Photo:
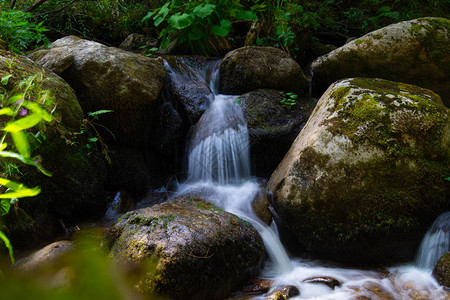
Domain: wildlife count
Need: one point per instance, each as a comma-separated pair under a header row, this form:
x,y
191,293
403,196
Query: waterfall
x,y
219,166
435,243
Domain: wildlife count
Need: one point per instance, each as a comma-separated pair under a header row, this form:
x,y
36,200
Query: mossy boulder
x,y
249,68
75,190
415,52
198,250
442,270
364,179
109,78
272,127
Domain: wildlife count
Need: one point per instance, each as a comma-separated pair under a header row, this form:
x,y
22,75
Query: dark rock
x,y
107,78
414,52
121,202
328,281
258,286
272,127
187,236
260,206
283,292
136,41
250,68
363,179
128,171
442,270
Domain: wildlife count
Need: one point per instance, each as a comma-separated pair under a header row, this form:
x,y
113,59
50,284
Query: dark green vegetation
x,y
212,26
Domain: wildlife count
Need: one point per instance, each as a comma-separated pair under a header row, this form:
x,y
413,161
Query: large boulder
x,y
75,191
272,127
200,251
365,177
109,78
415,52
442,270
249,68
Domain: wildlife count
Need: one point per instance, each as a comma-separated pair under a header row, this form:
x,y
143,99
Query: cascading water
x,y
219,171
435,243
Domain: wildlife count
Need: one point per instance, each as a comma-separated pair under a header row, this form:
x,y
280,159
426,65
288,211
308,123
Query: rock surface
x,y
107,78
442,270
415,52
272,127
75,191
364,177
187,236
46,257
250,68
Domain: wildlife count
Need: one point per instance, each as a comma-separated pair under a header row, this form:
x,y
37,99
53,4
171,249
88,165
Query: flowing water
x,y
219,171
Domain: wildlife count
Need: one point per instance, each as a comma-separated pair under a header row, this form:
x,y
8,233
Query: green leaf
x,y
148,16
180,21
5,205
99,112
7,111
94,139
204,10
5,79
158,21
29,161
165,43
16,98
21,143
8,245
164,11
37,109
24,123
26,192
247,15
225,23
219,31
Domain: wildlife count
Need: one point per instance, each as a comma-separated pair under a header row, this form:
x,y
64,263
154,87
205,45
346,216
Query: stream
x,y
219,171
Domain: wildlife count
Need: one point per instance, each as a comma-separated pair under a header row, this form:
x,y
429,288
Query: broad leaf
x,y
225,24
21,143
7,111
247,15
5,205
180,21
8,245
204,10
22,124
29,161
219,31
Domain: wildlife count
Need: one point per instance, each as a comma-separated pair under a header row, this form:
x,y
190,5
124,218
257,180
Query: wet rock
x,y
128,171
442,270
414,52
188,77
166,144
283,293
258,286
183,237
75,191
107,78
250,68
51,255
261,208
328,281
272,127
121,203
136,41
363,179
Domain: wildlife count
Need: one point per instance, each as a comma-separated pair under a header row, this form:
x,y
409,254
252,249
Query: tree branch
x,y
35,5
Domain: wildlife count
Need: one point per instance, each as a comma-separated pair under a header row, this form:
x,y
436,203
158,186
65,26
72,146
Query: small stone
x,y
328,281
283,292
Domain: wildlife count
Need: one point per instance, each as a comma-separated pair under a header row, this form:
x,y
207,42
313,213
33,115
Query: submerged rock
x,y
364,178
283,292
442,270
250,68
198,250
107,78
415,51
75,191
326,280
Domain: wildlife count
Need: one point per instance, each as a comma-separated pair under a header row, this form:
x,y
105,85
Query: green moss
x,y
358,42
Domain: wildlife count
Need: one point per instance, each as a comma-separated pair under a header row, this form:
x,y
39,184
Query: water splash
x,y
435,243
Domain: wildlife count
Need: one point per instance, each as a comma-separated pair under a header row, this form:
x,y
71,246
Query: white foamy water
x,y
219,171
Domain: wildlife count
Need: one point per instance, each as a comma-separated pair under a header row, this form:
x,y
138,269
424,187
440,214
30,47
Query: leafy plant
x,y
24,112
289,99
17,29
200,24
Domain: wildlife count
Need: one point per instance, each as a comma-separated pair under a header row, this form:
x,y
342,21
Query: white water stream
x,y
219,171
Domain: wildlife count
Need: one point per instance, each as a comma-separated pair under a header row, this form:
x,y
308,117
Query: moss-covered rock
x,y
75,191
272,127
109,78
415,52
249,68
442,270
364,179
200,251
